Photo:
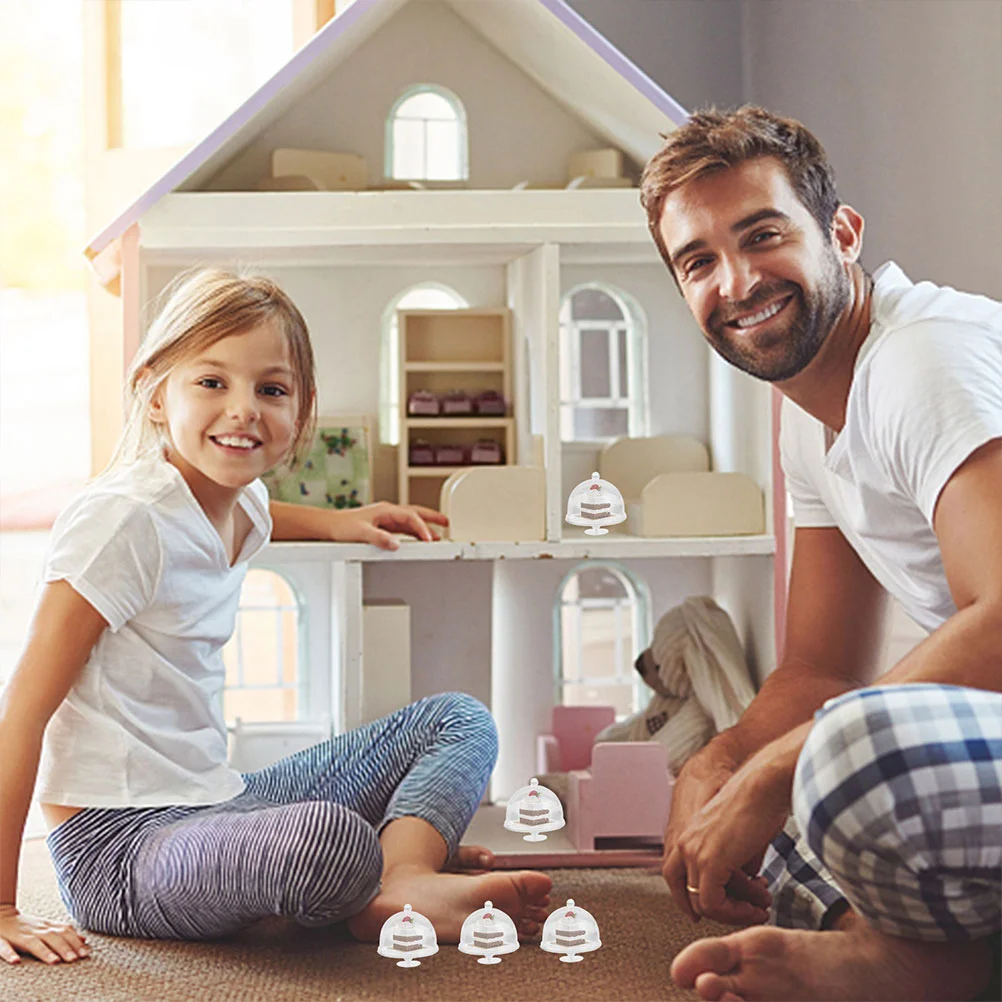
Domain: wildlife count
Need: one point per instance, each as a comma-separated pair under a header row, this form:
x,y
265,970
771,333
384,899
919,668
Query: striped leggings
x,y
897,811
301,840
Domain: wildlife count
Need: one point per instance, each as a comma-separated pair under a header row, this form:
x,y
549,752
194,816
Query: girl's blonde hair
x,y
199,308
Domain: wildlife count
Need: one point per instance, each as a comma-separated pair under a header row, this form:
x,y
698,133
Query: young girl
x,y
152,833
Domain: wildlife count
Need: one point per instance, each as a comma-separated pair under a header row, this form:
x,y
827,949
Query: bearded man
x,y
876,801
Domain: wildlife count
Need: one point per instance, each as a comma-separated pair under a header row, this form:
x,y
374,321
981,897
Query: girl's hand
x,y
375,524
50,942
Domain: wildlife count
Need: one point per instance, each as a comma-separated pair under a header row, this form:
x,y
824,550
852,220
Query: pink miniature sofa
x,y
574,729
617,789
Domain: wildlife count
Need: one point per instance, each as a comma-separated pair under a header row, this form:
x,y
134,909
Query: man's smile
x,y
744,324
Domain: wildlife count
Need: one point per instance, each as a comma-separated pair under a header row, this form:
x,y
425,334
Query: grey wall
x,y
906,96
692,48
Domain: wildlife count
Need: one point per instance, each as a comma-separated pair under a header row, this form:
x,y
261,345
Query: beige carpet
x,y
277,961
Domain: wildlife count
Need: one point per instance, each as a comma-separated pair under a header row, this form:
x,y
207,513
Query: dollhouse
x,y
489,150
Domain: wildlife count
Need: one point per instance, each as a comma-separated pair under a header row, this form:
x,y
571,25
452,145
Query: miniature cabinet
x,y
455,364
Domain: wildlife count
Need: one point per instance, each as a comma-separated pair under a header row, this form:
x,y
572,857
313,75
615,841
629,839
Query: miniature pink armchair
x,y
625,794
574,729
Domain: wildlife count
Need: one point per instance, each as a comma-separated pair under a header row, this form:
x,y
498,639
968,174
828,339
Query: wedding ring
x,y
691,889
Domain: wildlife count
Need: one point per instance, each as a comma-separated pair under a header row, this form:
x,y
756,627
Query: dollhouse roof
x,y
547,39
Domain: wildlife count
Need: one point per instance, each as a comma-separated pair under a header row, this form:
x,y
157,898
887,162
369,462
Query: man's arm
x,y
963,651
967,648
834,629
833,634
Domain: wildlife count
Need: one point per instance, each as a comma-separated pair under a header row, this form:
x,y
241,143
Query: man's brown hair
x,y
714,140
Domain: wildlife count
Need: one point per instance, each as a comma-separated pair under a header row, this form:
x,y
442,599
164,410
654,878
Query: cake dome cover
x,y
572,922
533,795
488,919
610,507
412,922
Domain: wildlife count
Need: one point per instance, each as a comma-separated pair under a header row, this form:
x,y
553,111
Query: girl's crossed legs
x,y
312,837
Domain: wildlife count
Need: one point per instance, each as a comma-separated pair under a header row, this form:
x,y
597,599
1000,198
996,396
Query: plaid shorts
x,y
897,810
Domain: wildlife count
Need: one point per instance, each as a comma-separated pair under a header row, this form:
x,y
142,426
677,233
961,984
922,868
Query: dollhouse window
x,y
263,680
426,136
603,346
602,623
427,296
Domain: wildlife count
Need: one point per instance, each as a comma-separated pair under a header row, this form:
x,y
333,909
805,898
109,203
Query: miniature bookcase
x,y
462,357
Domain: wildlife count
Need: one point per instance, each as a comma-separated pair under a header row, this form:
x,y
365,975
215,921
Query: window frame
x,y
389,357
462,134
303,682
639,598
634,327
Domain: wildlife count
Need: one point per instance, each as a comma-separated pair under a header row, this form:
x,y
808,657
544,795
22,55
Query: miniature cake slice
x,y
569,932
487,934
596,506
407,936
533,810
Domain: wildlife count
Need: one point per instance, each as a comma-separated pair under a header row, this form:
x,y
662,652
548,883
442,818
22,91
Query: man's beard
x,y
782,352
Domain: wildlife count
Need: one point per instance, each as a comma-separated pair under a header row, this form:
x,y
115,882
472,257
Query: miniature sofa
x,y
495,503
616,789
669,489
625,794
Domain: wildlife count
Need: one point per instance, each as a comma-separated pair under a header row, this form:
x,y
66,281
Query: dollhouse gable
x,y
534,81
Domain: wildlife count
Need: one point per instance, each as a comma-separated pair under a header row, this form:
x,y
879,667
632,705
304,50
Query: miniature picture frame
x,y
335,471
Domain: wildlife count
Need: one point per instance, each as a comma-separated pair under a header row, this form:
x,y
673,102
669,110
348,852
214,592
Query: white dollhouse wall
x,y
517,131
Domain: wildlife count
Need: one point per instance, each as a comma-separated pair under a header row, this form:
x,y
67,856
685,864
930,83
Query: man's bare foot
x,y
446,899
851,962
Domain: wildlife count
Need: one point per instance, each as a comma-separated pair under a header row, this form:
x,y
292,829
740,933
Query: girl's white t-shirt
x,y
926,393
143,724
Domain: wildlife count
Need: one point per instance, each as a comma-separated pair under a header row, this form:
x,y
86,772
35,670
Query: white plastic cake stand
x,y
599,528
410,958
571,953
485,956
535,831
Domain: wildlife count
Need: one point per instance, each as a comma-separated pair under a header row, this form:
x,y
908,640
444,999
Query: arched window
x,y
603,351
426,136
427,296
602,624
262,660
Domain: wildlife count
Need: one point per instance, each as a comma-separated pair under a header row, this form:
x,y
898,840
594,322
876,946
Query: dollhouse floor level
x,y
512,852
575,546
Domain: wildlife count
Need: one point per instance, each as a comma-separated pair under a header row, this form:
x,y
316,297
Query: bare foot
x,y
854,962
446,899
471,858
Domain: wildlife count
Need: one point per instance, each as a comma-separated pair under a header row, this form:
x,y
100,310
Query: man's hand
x,y
50,942
697,784
376,523
710,867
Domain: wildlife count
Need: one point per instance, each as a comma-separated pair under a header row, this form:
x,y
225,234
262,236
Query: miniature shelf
x,y
433,471
614,546
454,367
443,351
459,422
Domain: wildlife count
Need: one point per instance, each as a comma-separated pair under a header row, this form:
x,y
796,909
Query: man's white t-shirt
x,y
926,393
143,724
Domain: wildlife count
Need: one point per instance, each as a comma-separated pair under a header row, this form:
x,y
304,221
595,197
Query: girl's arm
x,y
373,523
63,632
